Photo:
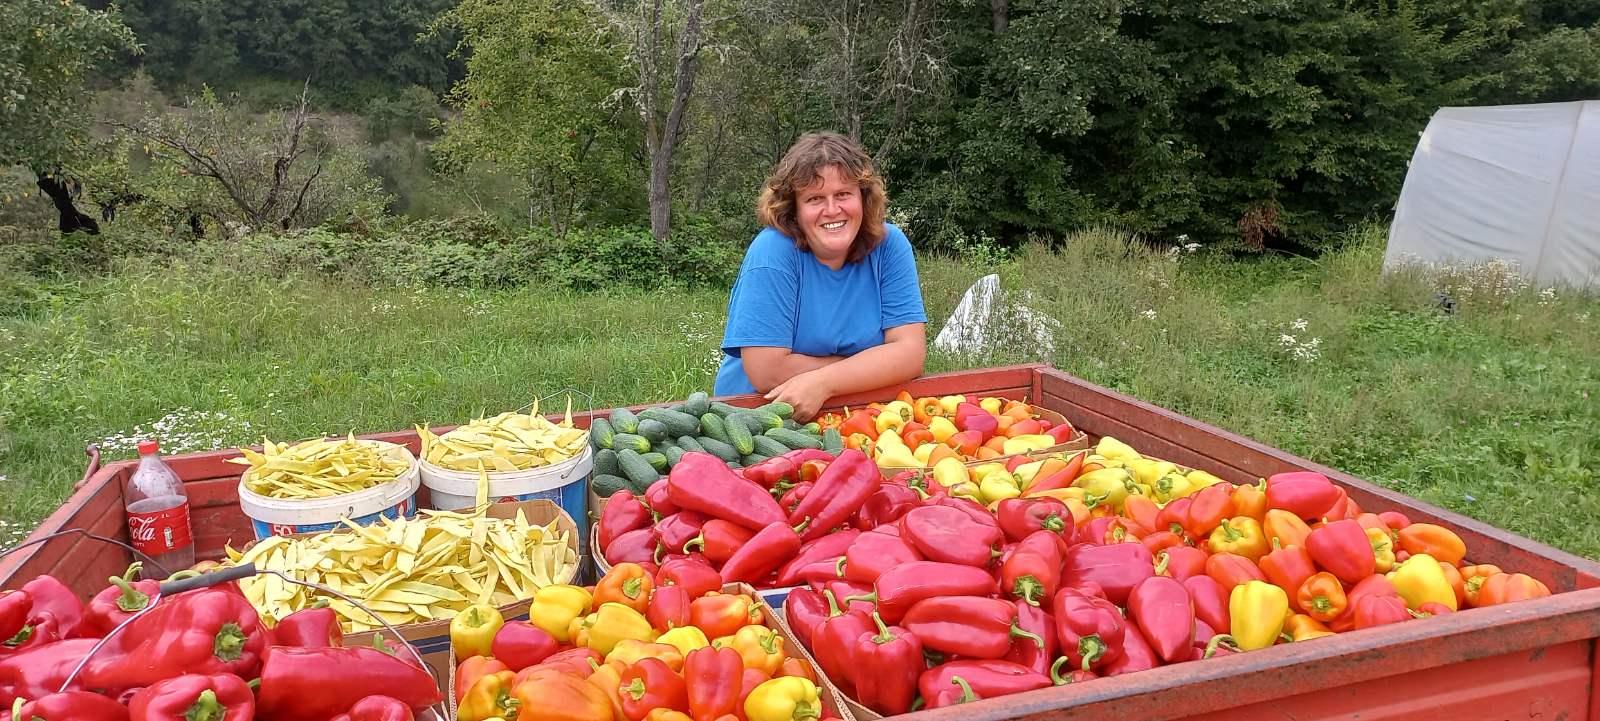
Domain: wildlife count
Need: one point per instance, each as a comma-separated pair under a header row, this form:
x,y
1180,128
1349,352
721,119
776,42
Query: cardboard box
x,y
856,712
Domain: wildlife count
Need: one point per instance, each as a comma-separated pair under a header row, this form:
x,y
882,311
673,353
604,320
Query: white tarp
x,y
987,320
1518,183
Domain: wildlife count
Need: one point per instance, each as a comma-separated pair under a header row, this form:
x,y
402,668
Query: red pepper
x,y
316,627
39,671
1117,568
623,512
41,628
123,598
948,535
771,472
651,684
967,626
713,677
520,644
1163,612
1181,562
1174,516
802,456
295,681
723,614
1232,569
887,505
695,576
833,645
874,553
55,614
843,590
972,417
1287,568
1032,572
861,421
886,665
1375,610
1090,630
824,571
763,554
828,547
1064,477
79,706
1020,517
1160,541
636,546
1395,520
1073,676
959,682
1023,650
1343,549
901,587
221,697
974,510
1207,509
718,539
794,495
575,661
1210,601
206,631
15,606
702,482
669,608
377,708
1137,653
1306,494
1434,608
839,493
658,498
1374,585
679,529
805,610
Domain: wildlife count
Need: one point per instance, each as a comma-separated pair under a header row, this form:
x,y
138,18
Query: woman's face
x,y
829,212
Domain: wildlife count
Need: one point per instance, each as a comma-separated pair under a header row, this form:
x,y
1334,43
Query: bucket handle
x,y
93,452
231,574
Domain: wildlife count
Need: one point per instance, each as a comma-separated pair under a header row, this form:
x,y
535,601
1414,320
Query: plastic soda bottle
x,y
158,511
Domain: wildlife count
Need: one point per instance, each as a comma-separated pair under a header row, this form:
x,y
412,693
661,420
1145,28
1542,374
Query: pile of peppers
x,y
638,646
200,654
911,432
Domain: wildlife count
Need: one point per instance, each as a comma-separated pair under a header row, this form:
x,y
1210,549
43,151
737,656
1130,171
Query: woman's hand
x,y
806,392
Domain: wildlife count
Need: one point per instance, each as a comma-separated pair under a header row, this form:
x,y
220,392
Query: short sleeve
x,y
763,310
898,285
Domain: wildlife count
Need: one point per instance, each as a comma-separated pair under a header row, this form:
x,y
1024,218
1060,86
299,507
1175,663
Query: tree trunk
x,y
72,219
1000,12
663,146
660,201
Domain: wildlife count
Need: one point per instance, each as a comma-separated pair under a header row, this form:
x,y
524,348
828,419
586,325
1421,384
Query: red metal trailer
x,y
1528,660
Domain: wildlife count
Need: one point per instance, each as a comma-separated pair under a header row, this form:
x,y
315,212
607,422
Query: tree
x,y
48,51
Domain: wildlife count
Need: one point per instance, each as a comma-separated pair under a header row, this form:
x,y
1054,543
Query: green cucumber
x,y
755,424
770,446
790,424
624,421
768,419
638,444
605,484
714,426
600,432
813,428
674,454
605,463
699,404
725,410
678,423
783,410
657,461
719,449
653,429
688,443
637,470
752,459
833,441
793,439
741,438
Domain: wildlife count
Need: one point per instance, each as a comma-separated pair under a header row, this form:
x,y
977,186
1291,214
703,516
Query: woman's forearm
x,y
889,364
768,368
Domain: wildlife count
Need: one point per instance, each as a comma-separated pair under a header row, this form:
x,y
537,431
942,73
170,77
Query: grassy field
x,y
1486,411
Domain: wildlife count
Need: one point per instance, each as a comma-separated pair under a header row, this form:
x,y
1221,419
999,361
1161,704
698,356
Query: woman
x,y
827,300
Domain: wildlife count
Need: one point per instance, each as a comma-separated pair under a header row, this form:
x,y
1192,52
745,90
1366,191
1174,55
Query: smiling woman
x,y
827,301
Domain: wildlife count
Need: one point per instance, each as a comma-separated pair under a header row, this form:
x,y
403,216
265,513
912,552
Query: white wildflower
x,y
1149,314
1299,324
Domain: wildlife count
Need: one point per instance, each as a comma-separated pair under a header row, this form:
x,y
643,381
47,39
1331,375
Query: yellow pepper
x,y
472,631
968,490
759,646
992,405
1171,487
630,651
942,428
685,639
489,697
1256,611
895,455
1150,470
555,607
1029,443
788,698
1026,472
613,623
950,472
998,487
666,714
950,404
923,453
1420,580
1112,484
1115,450
1241,536
893,416
1200,479
1301,627
981,471
1382,549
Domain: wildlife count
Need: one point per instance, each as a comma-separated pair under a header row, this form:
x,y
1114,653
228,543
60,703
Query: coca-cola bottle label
x,y
160,531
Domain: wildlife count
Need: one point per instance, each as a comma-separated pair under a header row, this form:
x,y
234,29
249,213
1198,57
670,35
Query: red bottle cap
x,y
147,447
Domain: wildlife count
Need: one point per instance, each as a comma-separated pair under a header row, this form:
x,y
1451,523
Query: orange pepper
x,y
985,453
1508,587
630,651
797,667
473,669
1004,425
1301,627
1250,501
1322,597
1473,578
1285,528
608,678
1437,541
1142,510
1457,583
905,395
1024,427
551,695
924,410
488,697
626,583
760,647
666,714
1017,411
720,614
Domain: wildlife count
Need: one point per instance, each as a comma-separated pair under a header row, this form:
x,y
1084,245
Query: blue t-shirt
x,y
786,298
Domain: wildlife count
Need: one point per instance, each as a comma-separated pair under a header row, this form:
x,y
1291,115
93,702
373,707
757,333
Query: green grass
x,y
1487,412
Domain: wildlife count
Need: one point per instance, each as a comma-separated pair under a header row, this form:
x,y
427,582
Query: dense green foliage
x,y
48,49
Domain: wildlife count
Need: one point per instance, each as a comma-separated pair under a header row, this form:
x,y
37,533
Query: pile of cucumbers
x,y
633,451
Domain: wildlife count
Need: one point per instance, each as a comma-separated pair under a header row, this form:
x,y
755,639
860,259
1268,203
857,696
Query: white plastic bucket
x,y
565,483
284,517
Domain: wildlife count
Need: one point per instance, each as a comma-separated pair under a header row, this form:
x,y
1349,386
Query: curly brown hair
x,y
802,166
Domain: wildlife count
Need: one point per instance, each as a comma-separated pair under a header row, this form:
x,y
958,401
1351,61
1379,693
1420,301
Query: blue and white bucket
x,y
565,483
286,517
